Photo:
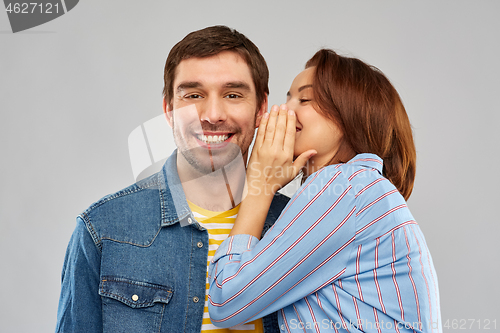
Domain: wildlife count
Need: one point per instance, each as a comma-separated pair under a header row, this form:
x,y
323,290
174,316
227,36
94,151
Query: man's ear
x,y
168,112
260,112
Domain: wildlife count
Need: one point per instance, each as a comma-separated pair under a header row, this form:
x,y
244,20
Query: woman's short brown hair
x,y
211,41
367,108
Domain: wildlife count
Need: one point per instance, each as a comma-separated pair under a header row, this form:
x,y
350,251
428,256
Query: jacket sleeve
x,y
307,248
80,304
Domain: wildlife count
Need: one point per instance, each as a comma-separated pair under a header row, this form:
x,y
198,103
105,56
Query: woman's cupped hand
x,y
272,164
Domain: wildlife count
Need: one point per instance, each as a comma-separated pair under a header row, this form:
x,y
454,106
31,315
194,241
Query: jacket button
x,y
135,298
190,220
199,244
196,299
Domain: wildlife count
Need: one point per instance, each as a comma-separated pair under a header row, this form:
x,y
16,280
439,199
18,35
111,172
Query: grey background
x,y
73,89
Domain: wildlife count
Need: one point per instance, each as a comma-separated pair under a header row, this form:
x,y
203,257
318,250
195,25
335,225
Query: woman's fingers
x,y
271,164
275,129
271,125
289,139
281,127
261,132
302,159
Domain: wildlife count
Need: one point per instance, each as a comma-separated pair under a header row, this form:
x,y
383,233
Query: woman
x,y
346,253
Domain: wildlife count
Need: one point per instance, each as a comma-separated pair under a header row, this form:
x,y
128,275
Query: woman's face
x,y
314,131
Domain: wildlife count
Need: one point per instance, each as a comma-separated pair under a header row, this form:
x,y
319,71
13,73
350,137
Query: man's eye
x,y
193,96
233,96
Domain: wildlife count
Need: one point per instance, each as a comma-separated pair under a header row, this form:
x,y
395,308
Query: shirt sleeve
x,y
307,248
80,304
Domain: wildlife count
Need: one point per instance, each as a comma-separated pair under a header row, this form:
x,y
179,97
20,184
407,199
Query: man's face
x,y
215,110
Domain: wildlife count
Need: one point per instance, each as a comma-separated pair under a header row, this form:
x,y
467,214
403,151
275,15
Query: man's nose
x,y
213,111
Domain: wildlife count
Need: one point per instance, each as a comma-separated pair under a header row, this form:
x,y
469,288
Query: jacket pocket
x,y
135,294
132,306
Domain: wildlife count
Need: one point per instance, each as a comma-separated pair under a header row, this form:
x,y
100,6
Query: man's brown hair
x,y
363,103
211,41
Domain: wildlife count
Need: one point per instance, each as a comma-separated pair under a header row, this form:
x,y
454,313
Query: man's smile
x,y
214,139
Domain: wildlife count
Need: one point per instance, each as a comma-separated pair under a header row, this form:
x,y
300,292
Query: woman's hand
x,y
271,164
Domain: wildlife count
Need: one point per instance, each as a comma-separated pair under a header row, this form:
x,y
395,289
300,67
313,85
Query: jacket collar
x,y
174,205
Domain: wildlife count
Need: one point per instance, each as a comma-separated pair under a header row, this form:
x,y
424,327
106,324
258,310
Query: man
x,y
138,258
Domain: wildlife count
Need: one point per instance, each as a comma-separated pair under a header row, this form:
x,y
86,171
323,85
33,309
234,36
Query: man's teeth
x,y
213,138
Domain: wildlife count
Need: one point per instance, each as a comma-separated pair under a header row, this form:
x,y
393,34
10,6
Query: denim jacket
x,y
137,262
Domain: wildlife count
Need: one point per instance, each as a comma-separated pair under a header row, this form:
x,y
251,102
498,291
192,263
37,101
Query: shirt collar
x,y
368,160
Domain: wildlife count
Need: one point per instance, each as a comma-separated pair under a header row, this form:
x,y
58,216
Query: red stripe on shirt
x,y
300,319
360,327
330,281
230,245
425,279
376,200
375,313
375,277
318,300
380,217
356,173
366,160
312,315
394,277
398,226
396,326
411,279
286,321
337,300
358,255
368,186
298,194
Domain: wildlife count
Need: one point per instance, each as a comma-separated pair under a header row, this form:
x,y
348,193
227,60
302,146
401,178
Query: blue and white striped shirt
x,y
345,255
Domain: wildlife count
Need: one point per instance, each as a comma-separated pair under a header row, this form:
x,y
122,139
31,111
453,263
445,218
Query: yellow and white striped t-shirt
x,y
218,225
